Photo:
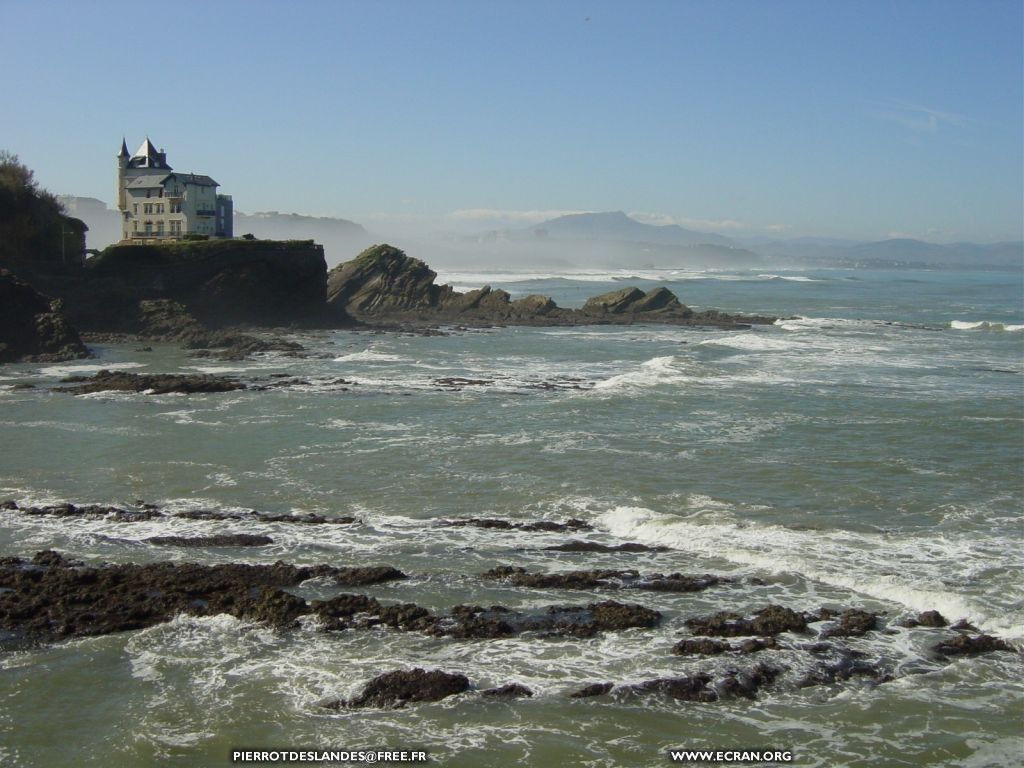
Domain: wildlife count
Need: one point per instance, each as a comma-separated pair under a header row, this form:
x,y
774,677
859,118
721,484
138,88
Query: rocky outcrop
x,y
384,286
144,512
32,327
544,526
394,690
770,620
219,540
51,597
601,579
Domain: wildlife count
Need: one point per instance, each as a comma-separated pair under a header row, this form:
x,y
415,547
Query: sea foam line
x,y
829,558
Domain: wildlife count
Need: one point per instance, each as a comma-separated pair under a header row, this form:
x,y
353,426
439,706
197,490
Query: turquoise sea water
x,y
865,452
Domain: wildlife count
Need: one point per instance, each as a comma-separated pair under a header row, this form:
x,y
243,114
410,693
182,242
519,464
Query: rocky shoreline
x,y
386,288
52,597
220,299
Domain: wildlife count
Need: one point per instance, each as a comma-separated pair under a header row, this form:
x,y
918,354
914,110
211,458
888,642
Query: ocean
x,y
865,451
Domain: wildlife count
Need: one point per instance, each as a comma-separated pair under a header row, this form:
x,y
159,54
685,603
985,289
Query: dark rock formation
x,y
510,691
591,546
155,384
932,619
222,540
702,647
149,512
848,664
695,688
770,620
852,623
594,579
52,598
594,689
707,647
32,327
546,526
383,285
394,690
965,645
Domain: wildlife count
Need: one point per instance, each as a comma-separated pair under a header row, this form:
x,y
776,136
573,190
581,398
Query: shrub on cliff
x,y
33,227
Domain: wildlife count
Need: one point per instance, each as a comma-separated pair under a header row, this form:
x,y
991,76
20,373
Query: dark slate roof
x,y
146,156
149,181
124,148
154,180
196,178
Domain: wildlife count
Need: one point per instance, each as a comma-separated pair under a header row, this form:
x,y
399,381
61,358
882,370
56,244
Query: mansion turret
x,y
158,203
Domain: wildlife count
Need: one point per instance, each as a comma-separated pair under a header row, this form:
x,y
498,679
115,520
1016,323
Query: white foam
x,y
875,565
755,342
369,356
80,368
983,325
791,278
668,369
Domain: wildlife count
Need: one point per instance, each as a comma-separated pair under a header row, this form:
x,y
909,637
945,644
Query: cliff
x,y
384,286
220,282
32,326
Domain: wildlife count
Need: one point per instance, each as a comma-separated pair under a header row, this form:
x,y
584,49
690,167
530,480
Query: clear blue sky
x,y
858,119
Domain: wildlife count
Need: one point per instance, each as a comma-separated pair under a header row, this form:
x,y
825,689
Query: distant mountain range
x,y
618,226
893,253
670,244
610,239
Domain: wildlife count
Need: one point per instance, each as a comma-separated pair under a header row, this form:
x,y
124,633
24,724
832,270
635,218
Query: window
x,y
175,207
135,208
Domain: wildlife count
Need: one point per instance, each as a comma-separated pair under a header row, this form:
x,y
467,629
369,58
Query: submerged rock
x,y
154,384
150,512
694,688
222,540
592,546
609,579
510,691
546,526
594,689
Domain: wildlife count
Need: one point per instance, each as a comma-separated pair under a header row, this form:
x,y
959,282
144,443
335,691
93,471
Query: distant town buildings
x,y
158,203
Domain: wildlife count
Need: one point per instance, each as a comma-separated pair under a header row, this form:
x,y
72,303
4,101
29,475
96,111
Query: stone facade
x,y
158,203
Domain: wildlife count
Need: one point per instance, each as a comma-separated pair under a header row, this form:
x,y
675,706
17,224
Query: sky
x,y
778,118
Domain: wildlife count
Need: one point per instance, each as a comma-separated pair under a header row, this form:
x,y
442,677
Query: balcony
x,y
206,212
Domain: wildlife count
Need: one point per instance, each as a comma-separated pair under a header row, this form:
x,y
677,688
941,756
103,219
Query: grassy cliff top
x,y
195,250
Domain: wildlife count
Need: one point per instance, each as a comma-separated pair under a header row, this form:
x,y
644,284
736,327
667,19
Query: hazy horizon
x,y
748,120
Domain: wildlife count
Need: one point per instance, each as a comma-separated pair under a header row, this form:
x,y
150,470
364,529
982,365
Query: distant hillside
x,y
342,239
897,252
620,227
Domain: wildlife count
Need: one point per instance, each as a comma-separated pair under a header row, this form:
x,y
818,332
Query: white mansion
x,y
157,203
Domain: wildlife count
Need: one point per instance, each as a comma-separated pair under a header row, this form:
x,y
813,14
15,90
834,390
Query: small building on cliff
x,y
158,203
